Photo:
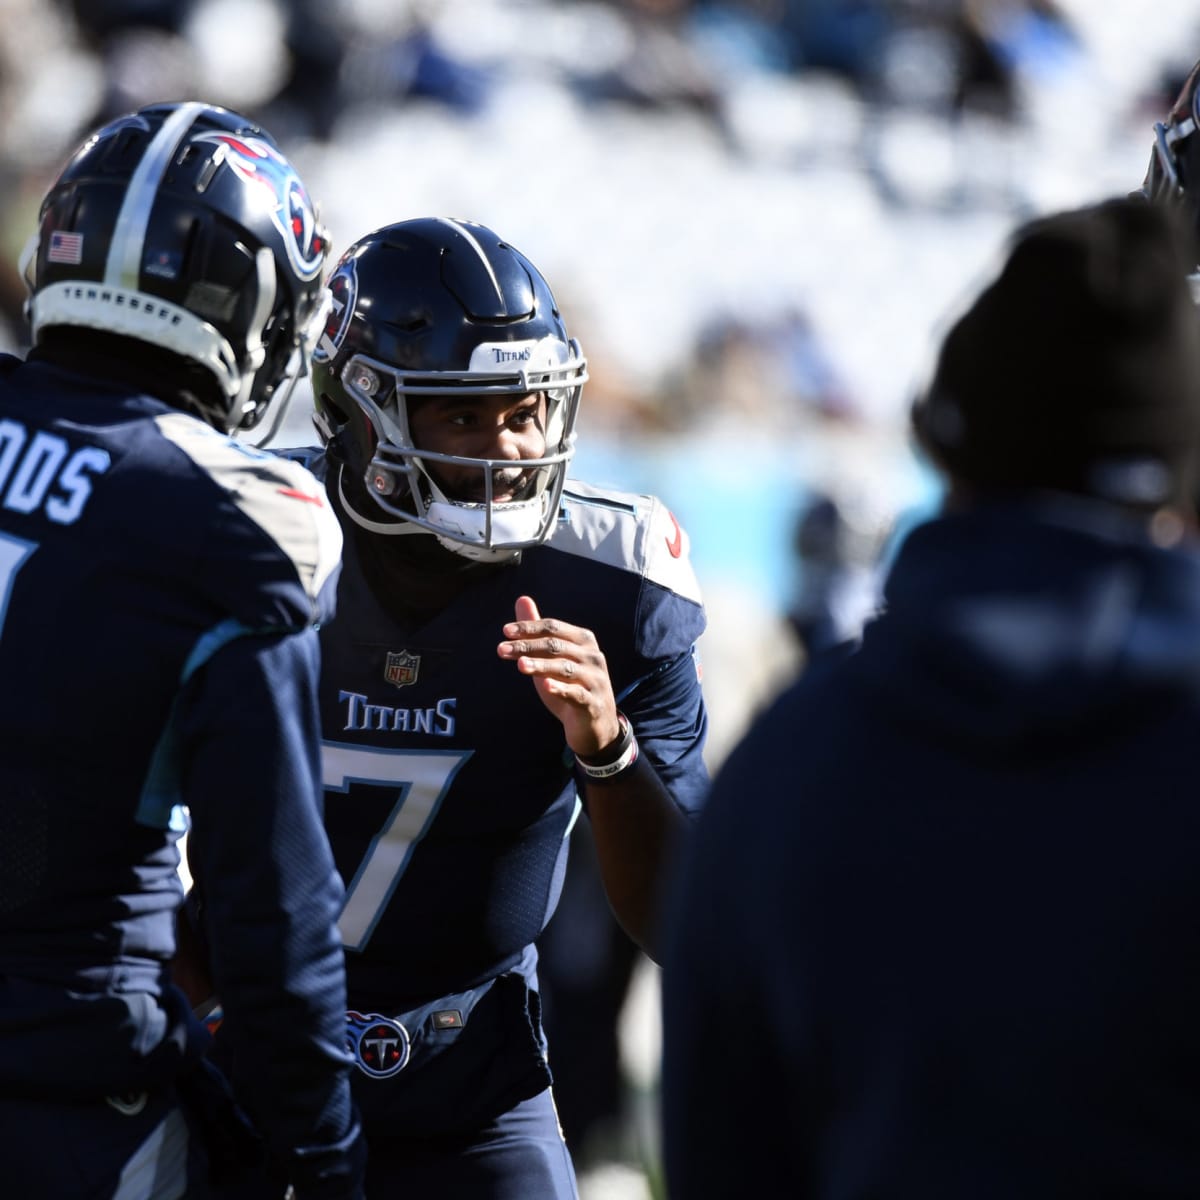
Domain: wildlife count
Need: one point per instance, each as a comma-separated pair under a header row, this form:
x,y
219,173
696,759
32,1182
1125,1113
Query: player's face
x,y
496,427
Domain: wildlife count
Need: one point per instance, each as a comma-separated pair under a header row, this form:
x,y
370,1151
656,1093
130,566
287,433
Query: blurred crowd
x,y
318,73
316,59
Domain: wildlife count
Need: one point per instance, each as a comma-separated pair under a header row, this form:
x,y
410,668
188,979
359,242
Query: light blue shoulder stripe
x,y
161,803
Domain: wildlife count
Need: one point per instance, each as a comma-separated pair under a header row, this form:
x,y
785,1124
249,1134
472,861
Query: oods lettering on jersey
x,y
43,472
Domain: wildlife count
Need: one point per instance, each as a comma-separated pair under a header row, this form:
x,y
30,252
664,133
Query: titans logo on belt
x,y
291,209
380,1045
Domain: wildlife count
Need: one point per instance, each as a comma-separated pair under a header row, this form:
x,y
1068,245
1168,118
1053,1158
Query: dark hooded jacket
x,y
956,954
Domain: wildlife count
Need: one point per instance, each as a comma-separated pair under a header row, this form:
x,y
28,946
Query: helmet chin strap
x,y
465,524
476,553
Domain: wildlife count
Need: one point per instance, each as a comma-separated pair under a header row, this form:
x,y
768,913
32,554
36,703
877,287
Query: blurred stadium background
x,y
757,216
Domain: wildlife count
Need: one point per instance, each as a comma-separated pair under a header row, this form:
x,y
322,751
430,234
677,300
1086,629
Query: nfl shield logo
x,y
401,667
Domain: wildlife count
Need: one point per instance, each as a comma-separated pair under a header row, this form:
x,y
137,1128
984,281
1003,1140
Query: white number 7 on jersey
x,y
423,778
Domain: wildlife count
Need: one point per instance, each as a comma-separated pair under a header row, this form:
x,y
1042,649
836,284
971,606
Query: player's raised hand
x,y
570,673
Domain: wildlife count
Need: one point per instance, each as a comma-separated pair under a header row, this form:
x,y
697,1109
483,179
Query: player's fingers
x,y
542,633
533,663
549,639
551,648
526,609
561,689
520,634
530,624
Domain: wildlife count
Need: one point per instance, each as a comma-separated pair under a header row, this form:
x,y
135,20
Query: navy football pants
x,y
518,1156
130,1149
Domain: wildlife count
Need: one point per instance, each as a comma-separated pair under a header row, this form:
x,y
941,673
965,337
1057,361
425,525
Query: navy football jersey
x,y
450,789
160,588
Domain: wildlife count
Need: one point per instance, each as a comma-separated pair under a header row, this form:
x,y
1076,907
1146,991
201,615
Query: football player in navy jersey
x,y
513,647
161,584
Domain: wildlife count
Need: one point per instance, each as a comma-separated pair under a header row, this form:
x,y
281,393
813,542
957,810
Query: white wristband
x,y
627,756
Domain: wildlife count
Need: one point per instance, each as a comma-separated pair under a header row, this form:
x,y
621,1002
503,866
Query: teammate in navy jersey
x,y
512,648
161,585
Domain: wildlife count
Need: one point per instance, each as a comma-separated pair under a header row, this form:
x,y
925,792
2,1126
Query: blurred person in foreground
x,y
945,889
162,585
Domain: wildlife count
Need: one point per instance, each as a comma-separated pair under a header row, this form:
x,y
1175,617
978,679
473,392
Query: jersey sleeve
x,y
668,715
665,705
632,556
248,742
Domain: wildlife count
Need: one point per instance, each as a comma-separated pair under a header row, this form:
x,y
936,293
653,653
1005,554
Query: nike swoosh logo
x,y
675,544
318,500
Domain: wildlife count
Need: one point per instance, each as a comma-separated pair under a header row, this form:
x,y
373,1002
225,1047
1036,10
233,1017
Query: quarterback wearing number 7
x,y
514,650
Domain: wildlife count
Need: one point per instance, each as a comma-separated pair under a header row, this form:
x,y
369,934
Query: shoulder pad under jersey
x,y
280,496
629,531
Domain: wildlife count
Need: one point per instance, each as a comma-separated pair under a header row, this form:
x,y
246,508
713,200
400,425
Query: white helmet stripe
x,y
129,236
483,258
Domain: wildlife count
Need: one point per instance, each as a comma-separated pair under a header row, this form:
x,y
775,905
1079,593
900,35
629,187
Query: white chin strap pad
x,y
513,524
517,521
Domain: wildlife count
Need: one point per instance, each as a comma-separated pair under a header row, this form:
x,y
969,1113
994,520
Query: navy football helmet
x,y
443,307
182,225
1173,176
